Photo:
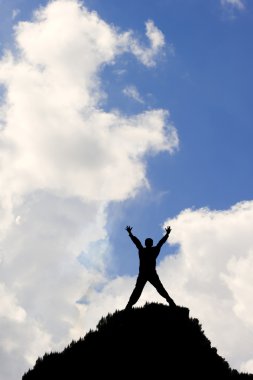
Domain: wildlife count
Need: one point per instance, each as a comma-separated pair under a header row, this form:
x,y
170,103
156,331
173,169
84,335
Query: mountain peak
x,y
150,341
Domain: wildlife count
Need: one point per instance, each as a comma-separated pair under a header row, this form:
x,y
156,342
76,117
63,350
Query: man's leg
x,y
140,283
155,281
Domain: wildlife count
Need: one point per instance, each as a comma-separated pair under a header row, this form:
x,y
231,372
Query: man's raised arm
x,y
164,238
134,239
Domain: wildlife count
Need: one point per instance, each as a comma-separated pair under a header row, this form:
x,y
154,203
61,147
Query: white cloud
x,y
9,307
236,4
61,159
211,275
132,92
157,41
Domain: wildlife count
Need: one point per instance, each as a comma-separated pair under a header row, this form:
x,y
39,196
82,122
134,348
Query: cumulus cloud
x,y
61,158
62,91
211,274
236,4
132,92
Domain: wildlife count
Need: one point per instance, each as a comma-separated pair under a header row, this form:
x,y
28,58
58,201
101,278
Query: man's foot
x,y
171,303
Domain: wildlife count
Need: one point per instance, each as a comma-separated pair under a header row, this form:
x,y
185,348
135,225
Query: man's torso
x,y
147,258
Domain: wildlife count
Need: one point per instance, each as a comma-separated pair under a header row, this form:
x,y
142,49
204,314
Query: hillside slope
x,y
151,341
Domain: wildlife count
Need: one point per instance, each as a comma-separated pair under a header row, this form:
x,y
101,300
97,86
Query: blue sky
x,y
86,148
207,86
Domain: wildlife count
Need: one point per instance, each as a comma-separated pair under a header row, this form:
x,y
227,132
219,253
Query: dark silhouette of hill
x,y
154,341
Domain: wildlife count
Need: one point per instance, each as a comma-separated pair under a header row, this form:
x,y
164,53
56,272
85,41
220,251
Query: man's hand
x,y
129,229
168,230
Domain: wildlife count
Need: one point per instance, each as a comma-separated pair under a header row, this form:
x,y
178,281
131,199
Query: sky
x,y
114,114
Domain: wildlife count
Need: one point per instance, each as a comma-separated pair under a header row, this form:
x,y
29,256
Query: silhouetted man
x,y
147,268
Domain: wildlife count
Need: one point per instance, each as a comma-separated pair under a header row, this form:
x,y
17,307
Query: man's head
x,y
148,242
